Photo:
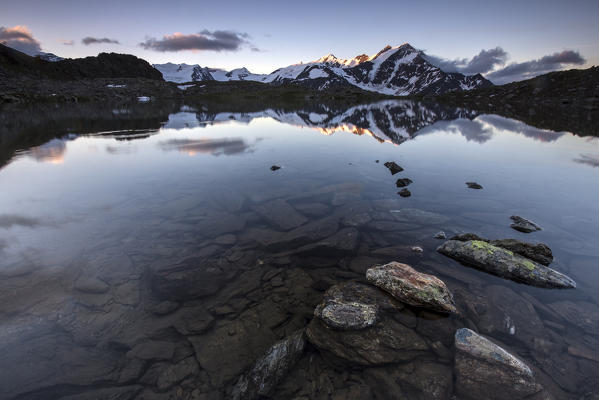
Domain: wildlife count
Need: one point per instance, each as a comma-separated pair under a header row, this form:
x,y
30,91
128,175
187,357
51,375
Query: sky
x,y
532,36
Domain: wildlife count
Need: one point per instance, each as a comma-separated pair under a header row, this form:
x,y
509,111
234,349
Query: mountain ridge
x,y
400,70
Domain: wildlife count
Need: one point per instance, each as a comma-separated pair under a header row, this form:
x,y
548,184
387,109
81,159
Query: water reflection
x,y
589,159
170,275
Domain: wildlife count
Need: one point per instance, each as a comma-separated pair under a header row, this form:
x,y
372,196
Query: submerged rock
x,y
485,370
280,214
393,167
268,370
504,263
539,252
347,314
404,193
403,182
523,224
412,287
473,185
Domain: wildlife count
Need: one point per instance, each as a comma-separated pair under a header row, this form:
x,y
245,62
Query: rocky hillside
x,y
15,65
400,70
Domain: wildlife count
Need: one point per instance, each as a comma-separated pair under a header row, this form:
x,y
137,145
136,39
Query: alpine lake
x,y
167,251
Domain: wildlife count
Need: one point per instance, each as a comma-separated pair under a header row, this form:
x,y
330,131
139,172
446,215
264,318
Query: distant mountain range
x,y
400,71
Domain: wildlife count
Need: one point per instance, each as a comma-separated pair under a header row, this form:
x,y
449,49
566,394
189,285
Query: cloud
x,y
483,62
19,37
92,40
589,159
216,147
530,69
68,42
205,40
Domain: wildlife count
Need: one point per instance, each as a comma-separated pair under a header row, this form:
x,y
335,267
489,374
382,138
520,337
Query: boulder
x,y
393,167
538,252
403,182
523,224
504,263
412,287
404,193
349,328
485,370
268,370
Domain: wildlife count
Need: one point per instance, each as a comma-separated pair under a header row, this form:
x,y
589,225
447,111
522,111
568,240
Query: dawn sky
x,y
263,35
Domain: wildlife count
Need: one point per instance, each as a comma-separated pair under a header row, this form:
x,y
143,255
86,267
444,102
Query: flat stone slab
x,y
485,370
538,252
504,263
280,214
412,287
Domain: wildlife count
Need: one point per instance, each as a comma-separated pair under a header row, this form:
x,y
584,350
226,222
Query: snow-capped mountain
x,y
400,70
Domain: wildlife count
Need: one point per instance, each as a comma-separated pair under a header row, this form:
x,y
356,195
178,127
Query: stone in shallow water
x,y
523,224
393,167
404,193
473,185
504,263
275,167
538,252
153,350
280,214
485,370
91,285
440,235
412,287
403,182
583,314
268,370
347,314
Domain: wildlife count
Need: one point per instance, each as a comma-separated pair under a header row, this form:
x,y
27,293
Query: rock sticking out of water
x,y
485,370
538,252
440,235
504,263
403,182
473,185
393,167
523,224
412,287
268,370
404,193
385,341
274,167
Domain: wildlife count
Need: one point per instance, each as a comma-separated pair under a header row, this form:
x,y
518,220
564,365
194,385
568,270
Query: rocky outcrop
x,y
504,263
412,287
523,224
269,369
351,330
485,370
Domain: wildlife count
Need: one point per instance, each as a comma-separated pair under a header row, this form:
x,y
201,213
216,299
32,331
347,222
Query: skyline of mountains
x,y
401,70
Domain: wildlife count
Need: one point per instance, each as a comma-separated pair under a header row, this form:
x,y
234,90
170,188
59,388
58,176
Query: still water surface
x,y
141,252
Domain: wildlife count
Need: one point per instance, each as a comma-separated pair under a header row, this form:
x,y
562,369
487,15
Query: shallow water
x,y
97,213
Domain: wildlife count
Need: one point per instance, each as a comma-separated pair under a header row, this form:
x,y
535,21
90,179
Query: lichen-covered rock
x,y
412,287
504,263
347,314
538,252
268,370
523,224
485,370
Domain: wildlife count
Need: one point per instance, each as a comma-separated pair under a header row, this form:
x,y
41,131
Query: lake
x,y
149,250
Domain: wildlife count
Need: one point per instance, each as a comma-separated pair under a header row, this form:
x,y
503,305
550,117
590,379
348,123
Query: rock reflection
x,y
51,152
588,159
215,147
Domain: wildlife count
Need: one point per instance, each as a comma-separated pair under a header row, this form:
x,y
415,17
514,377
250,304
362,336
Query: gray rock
x,y
523,224
485,370
153,350
403,182
539,252
414,215
404,193
384,341
280,214
473,185
412,287
393,167
175,373
346,240
583,314
504,263
91,285
440,235
268,370
164,308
